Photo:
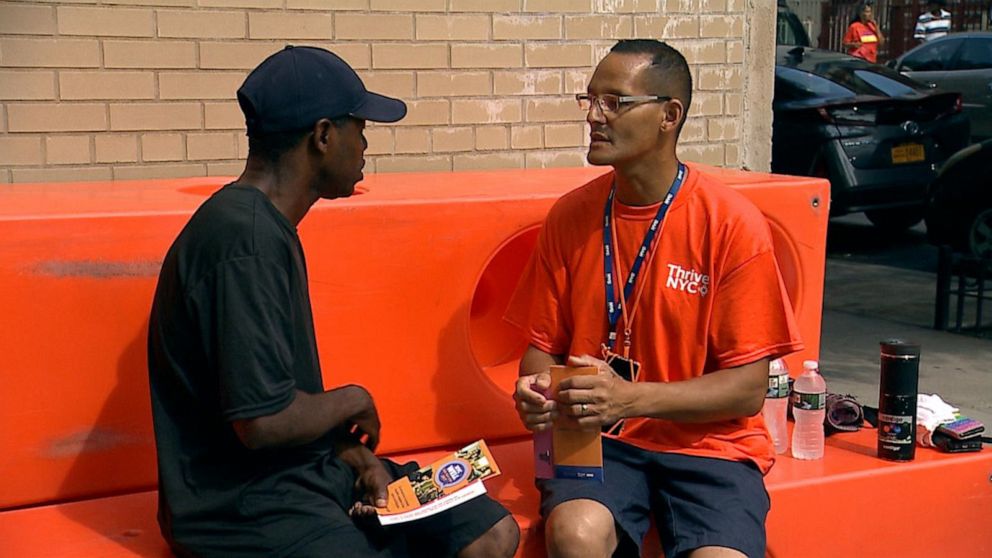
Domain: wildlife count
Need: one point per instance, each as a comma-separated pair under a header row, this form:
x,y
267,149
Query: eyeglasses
x,y
612,103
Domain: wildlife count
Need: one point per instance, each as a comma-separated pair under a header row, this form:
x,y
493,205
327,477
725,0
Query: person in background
x,y
863,36
933,23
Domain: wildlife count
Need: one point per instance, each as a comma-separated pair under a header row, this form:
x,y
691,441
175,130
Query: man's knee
x,y
580,528
499,541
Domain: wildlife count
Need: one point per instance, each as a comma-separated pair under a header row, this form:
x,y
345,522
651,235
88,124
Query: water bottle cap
x,y
777,365
811,365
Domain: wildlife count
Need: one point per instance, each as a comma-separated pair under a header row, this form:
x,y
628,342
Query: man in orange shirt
x,y
863,36
701,311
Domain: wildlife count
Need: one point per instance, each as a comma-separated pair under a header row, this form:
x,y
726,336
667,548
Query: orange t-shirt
x,y
713,299
867,35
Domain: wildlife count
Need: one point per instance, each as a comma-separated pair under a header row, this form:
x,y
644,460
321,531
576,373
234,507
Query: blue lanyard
x,y
613,307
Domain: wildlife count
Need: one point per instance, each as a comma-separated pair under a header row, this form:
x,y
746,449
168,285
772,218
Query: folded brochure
x,y
562,453
442,485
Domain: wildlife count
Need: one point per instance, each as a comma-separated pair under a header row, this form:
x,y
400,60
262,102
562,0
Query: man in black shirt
x,y
254,457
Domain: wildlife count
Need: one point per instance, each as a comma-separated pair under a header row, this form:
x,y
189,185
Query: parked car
x,y
877,135
961,62
959,212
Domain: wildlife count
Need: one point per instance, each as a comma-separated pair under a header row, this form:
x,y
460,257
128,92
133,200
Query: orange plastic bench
x,y
417,268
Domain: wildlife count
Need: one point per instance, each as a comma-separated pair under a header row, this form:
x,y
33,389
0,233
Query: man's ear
x,y
674,112
323,135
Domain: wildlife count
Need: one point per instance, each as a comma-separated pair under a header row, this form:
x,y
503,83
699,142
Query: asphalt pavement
x,y
879,286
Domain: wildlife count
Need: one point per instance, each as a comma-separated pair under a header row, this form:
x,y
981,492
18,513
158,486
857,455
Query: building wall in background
x,y
122,89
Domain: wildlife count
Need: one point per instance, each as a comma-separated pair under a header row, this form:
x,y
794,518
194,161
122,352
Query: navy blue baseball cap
x,y
297,86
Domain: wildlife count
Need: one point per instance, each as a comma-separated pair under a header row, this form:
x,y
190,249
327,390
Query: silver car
x,y
960,62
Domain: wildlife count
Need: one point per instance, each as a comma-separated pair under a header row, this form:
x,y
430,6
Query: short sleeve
x,y
752,317
537,305
244,308
852,35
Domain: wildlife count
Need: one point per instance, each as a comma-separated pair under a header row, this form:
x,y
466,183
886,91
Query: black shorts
x,y
696,501
442,534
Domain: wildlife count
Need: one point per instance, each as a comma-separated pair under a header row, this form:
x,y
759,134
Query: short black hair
x,y
669,69
271,147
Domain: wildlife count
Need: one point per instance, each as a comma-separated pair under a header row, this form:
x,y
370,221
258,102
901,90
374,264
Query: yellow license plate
x,y
908,153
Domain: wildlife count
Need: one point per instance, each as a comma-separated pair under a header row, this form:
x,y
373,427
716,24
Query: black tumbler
x,y
900,367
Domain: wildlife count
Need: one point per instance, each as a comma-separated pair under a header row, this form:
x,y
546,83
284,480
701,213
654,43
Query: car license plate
x,y
908,153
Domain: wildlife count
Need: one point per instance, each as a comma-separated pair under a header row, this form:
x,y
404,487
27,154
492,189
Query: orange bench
x,y
416,269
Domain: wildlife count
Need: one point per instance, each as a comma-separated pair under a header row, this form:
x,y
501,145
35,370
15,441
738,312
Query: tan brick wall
x,y
102,89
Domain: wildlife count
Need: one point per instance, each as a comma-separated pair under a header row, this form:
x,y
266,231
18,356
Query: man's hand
x,y
592,402
532,396
372,480
366,423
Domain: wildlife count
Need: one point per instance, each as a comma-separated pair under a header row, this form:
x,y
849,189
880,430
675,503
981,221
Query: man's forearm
x,y
306,419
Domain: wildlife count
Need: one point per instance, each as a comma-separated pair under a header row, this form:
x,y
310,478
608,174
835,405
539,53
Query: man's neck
x,y
646,183
287,191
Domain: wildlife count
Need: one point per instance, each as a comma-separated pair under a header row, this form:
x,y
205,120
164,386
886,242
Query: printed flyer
x,y
562,453
439,486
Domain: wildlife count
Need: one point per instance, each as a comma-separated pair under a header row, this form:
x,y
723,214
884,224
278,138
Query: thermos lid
x,y
900,348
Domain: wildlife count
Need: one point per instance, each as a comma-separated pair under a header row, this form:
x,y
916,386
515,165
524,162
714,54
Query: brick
x,y
327,5
394,84
489,138
733,103
554,109
558,56
50,53
558,6
486,56
684,6
735,52
666,27
526,27
599,27
172,3
625,6
721,129
708,154
67,150
488,6
19,19
106,22
694,130
225,169
427,112
58,117
114,148
238,3
61,174
526,137
413,164
577,80
487,111
709,51
713,5
487,161
564,135
373,26
380,140
211,145
527,82
735,5
411,56
732,155
20,150
155,116
199,85
235,56
201,24
149,54
138,172
453,27
285,26
719,78
223,116
242,146
452,139
162,147
555,159
5,176
706,104
453,84
408,5
26,85
412,140
721,26
358,56
88,85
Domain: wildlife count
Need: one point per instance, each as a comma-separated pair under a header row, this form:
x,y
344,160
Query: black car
x,y
960,210
878,136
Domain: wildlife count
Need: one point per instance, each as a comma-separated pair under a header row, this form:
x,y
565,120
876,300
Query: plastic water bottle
x,y
809,401
777,404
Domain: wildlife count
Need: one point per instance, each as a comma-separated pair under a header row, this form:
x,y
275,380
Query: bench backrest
x,y
408,281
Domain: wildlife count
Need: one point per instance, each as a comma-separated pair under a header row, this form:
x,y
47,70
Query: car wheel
x,y
895,219
980,234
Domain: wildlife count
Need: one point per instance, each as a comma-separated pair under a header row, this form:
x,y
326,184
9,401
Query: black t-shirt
x,y
231,337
